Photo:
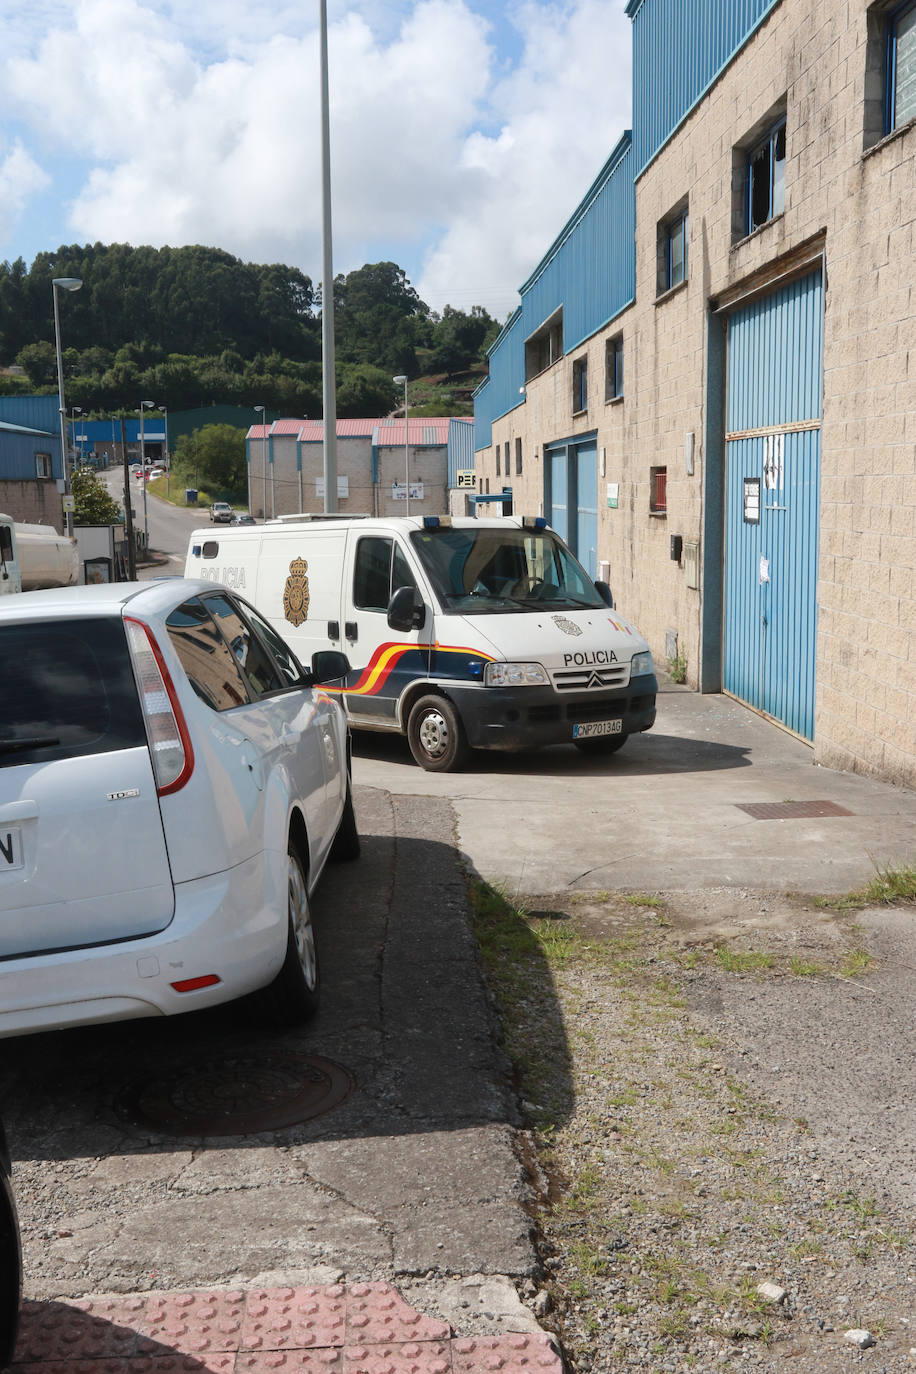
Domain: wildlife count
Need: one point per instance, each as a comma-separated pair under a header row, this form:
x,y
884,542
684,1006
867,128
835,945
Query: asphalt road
x,y
169,526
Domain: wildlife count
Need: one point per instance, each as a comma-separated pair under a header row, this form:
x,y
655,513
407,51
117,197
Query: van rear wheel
x,y
436,736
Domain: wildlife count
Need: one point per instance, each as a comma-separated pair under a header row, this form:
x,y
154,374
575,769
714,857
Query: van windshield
x,y
484,569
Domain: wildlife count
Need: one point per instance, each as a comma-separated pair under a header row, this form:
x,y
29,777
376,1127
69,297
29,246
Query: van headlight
x,y
640,664
515,675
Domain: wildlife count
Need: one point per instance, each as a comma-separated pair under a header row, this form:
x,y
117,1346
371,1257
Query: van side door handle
x,y
350,629
333,629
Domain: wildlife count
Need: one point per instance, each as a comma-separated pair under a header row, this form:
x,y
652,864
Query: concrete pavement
x,y
665,814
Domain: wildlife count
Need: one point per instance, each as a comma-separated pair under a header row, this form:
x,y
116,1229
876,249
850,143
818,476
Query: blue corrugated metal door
x,y
587,502
773,412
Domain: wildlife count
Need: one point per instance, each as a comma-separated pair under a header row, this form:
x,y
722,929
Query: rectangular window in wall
x,y
613,368
766,178
677,251
497,459
580,385
544,346
506,468
518,456
42,465
901,66
658,490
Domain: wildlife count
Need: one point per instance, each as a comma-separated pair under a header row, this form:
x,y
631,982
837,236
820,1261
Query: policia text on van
x,y
480,633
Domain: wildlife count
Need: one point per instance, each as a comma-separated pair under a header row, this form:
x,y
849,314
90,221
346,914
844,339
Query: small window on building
x,y
671,248
766,179
497,459
658,490
42,465
544,346
901,66
507,469
677,250
580,385
518,456
613,368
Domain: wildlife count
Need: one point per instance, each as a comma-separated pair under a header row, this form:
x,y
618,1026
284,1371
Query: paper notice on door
x,y
764,569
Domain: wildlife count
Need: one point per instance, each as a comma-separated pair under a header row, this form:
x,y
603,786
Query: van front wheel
x,y
436,735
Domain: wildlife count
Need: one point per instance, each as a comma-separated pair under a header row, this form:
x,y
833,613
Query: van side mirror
x,y
605,593
328,665
406,610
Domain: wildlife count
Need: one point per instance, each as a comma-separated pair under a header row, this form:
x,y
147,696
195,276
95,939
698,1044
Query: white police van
x,y
462,632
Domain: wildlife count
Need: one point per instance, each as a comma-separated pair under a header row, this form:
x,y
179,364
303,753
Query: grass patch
x,y
743,961
889,886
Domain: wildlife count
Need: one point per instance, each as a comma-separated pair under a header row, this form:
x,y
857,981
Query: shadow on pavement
x,y
404,1015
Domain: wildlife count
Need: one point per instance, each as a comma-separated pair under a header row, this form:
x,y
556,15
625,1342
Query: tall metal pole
x,y
143,479
128,508
328,384
68,284
168,466
406,453
263,410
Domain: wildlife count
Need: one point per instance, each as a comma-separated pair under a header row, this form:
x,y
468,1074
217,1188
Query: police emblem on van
x,y
296,592
569,627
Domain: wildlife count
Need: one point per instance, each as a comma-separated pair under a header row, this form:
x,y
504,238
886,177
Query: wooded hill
x,y
195,326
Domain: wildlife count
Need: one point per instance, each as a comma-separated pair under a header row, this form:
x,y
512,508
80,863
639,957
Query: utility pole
x,y
128,517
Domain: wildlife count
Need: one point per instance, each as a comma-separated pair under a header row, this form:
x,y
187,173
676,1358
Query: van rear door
x,y
79,811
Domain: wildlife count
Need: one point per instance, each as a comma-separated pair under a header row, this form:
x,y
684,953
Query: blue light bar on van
x,y
195,551
534,522
433,522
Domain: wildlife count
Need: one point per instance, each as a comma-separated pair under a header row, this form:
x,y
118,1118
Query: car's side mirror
x,y
328,665
605,593
406,610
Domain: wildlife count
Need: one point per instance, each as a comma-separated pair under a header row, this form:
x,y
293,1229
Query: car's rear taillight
x,y
169,741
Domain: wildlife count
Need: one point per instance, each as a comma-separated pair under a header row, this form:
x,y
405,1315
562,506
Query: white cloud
x,y
20,179
560,112
201,124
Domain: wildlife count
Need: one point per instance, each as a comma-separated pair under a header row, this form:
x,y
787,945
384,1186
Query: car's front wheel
x,y
294,994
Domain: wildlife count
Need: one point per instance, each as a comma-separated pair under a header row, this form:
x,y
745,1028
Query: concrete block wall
x,y
32,502
354,461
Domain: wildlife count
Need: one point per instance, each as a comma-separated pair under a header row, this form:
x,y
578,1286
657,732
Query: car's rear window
x,y
68,690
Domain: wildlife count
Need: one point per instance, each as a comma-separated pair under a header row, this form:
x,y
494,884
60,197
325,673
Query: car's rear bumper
x,y
233,925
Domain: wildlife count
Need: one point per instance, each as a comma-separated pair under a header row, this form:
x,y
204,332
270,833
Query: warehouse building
x,y
709,385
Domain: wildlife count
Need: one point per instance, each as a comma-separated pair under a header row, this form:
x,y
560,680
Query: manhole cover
x,y
791,811
241,1095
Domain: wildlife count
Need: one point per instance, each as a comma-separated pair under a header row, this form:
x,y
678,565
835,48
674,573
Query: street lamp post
x,y
75,410
399,380
144,406
168,466
263,411
57,285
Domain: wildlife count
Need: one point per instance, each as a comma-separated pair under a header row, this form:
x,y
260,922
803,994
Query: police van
x,y
461,633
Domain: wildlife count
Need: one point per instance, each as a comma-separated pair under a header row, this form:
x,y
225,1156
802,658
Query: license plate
x,y
598,727
10,847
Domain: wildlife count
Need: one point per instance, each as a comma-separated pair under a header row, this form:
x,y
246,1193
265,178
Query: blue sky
x,y
463,132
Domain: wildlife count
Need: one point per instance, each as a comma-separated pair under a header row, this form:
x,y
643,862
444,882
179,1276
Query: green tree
x,y
364,390
92,504
40,363
215,457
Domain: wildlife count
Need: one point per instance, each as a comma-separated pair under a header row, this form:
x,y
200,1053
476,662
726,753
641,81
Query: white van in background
x,y
461,632
34,557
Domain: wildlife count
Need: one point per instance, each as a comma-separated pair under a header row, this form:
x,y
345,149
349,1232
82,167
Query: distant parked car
x,y
220,512
172,784
10,1259
242,518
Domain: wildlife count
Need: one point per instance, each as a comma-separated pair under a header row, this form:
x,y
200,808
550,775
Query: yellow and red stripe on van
x,y
386,659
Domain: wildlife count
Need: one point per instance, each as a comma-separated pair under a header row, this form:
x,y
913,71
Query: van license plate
x,y
598,727
10,847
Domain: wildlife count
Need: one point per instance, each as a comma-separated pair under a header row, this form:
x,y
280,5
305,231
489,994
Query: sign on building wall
x,y
398,491
343,487
613,495
465,477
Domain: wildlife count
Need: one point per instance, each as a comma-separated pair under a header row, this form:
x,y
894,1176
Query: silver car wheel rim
x,y
433,734
301,918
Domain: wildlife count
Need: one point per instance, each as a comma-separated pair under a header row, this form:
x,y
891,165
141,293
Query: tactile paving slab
x,y
360,1328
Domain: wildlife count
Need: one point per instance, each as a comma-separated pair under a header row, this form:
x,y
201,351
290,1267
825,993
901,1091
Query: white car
x,y
172,784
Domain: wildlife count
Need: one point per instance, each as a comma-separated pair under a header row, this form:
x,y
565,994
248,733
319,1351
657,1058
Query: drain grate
x,y
240,1095
791,810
